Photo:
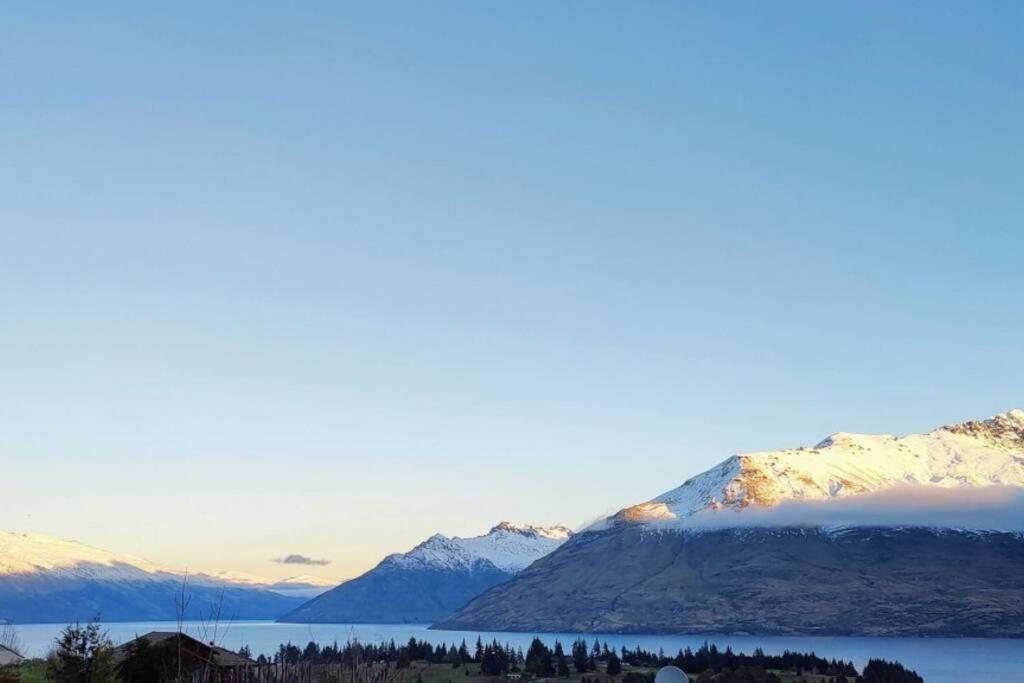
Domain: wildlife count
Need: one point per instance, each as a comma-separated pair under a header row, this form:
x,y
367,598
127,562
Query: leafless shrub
x,y
10,639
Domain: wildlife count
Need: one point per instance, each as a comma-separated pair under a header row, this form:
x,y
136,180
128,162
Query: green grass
x,y
790,677
35,672
32,671
443,673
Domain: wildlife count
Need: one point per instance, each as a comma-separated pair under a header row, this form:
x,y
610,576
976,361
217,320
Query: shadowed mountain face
x,y
864,581
47,599
393,594
46,579
751,546
433,579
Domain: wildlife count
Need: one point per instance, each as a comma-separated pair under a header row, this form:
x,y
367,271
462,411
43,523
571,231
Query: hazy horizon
x,y
324,281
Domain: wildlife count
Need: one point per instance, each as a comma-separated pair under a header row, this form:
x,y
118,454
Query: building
x,y
164,645
9,657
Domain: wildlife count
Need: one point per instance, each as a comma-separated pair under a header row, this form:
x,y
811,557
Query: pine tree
x,y
538,659
614,665
579,656
560,662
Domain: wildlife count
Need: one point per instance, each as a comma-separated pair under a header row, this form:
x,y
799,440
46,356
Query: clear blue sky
x,y
329,279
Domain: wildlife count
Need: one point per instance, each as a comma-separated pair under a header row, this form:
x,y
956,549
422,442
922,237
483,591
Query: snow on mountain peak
x,y
32,553
969,454
237,578
508,546
557,533
35,554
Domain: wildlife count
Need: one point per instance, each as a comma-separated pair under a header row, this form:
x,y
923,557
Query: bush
x,y
83,654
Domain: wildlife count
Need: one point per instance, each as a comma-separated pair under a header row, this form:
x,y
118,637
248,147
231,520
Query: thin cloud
x,y
300,559
989,508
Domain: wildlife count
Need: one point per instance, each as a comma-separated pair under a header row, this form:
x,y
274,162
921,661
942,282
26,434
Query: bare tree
x,y
181,601
209,631
10,639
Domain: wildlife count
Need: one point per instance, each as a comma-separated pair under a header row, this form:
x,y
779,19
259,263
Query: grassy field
x,y
444,673
30,672
35,672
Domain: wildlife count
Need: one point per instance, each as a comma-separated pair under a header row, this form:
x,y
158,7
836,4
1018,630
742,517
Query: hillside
x,y
721,552
433,579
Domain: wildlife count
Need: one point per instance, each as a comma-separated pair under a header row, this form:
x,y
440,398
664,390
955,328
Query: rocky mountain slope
x,y
433,579
690,561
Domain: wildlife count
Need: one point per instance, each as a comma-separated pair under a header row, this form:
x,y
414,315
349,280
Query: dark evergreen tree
x,y
614,667
579,656
882,671
538,659
561,663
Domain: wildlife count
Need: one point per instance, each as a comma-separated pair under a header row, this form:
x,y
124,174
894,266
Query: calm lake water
x,y
939,660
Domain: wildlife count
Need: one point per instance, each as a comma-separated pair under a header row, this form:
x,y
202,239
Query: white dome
x,y
671,674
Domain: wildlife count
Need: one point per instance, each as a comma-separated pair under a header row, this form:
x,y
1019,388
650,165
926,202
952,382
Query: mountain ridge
x,y
862,581
47,579
968,454
434,578
31,553
509,547
663,566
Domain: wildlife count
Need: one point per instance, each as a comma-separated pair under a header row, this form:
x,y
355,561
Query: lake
x,y
939,660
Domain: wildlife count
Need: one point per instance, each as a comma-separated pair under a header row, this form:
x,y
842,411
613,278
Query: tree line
x,y
83,654
494,658
709,656
499,659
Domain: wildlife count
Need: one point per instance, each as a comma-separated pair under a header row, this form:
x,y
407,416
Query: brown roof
x,y
219,656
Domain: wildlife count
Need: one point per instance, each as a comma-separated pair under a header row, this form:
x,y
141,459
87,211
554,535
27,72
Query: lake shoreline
x,y
939,660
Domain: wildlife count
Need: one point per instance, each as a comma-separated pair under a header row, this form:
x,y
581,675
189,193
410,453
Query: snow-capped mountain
x,y
659,566
509,547
433,579
301,585
50,579
35,554
970,454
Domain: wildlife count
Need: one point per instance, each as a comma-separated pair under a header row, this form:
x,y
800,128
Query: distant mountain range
x,y
433,579
861,534
858,535
44,579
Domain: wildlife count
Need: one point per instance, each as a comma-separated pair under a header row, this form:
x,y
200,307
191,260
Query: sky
x,y
327,279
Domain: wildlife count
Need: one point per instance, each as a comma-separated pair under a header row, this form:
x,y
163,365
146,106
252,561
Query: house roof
x,y
220,657
4,648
